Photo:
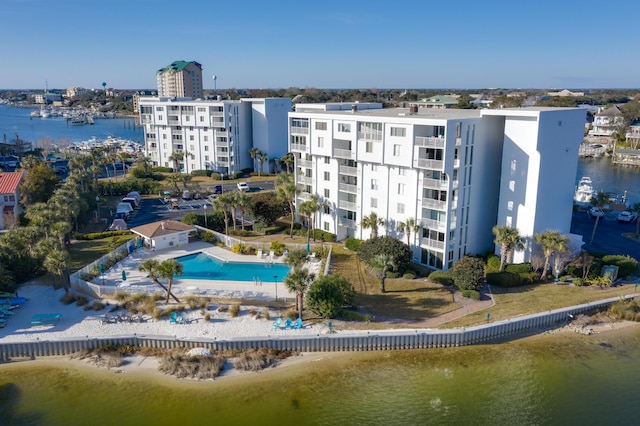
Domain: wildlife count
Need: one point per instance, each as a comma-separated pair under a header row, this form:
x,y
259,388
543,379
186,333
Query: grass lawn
x,y
513,302
84,252
405,300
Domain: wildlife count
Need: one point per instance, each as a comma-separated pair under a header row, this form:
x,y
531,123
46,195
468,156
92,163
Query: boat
x,y
584,191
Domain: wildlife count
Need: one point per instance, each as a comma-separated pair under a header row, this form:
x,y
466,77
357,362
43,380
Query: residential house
x,y
606,122
10,198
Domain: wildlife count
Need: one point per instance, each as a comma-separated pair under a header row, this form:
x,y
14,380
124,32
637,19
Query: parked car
x,y
243,186
212,197
217,189
186,195
627,217
595,212
197,196
174,203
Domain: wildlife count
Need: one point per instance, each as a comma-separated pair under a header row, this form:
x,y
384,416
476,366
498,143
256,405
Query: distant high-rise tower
x,y
181,79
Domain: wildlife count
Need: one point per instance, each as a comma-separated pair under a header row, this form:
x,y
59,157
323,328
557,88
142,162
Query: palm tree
x,y
287,191
509,240
173,179
298,280
152,268
254,152
168,269
56,262
244,203
262,158
381,264
296,258
233,200
552,242
410,224
123,157
372,221
599,201
176,157
288,160
309,209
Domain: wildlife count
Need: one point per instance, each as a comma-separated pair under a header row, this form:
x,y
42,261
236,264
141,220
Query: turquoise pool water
x,y
201,266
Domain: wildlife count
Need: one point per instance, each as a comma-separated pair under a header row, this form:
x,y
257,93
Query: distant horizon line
x,y
353,88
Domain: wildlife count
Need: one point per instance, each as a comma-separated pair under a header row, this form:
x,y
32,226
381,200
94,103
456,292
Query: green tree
x,y
296,258
552,242
244,205
308,209
372,221
176,157
55,262
7,282
298,280
599,201
262,158
168,269
223,203
509,240
268,207
287,191
288,160
468,273
38,185
399,251
152,268
408,225
326,297
382,264
173,179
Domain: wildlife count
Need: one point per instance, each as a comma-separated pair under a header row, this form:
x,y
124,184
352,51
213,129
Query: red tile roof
x,y
9,181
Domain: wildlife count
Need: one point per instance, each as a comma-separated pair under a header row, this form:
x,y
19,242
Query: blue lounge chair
x,y
45,319
298,324
288,324
277,323
174,318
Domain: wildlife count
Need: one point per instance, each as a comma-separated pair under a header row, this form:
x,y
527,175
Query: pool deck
x,y
139,282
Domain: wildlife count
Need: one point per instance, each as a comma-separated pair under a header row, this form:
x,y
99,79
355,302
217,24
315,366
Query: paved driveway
x,y
608,238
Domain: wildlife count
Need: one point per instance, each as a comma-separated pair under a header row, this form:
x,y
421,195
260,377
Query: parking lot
x,y
608,238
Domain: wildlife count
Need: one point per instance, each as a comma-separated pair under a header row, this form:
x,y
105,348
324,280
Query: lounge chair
x,y
276,324
174,318
298,324
288,324
272,254
260,253
45,319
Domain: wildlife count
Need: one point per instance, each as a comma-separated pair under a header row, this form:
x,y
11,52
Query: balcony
x,y
304,163
299,130
424,163
435,184
347,205
298,147
433,224
346,187
308,180
458,141
304,196
430,203
348,223
217,114
371,136
433,243
174,122
456,163
348,170
344,153
429,142
146,119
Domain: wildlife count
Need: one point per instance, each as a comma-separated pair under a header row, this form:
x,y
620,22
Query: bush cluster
x,y
123,187
627,265
161,169
471,294
352,244
99,235
504,279
201,172
441,277
278,247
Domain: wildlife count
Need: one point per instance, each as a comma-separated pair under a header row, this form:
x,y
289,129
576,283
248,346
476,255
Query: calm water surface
x,y
562,379
609,178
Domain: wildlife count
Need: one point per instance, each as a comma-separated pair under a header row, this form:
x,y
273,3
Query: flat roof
x,y
426,113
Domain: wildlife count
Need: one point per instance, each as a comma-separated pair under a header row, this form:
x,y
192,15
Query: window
x,y
398,131
396,150
201,119
202,109
401,189
206,158
327,176
206,138
320,142
344,127
206,147
327,193
370,131
321,125
301,123
402,172
374,184
400,208
164,145
374,167
369,147
191,147
327,160
374,203
326,226
159,108
326,209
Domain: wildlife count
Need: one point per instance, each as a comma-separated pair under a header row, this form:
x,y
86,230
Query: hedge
x,y
352,244
271,230
471,294
518,268
99,235
324,235
626,264
201,172
504,279
162,169
441,277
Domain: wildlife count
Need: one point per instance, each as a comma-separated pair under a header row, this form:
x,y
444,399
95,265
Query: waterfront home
x,y
606,122
9,198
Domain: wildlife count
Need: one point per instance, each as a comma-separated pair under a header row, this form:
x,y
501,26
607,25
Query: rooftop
x,y
9,181
163,227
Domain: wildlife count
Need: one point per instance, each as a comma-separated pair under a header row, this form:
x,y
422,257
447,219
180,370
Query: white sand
x,y
76,322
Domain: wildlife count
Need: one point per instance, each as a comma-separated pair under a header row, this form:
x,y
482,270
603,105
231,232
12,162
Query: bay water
x,y
550,379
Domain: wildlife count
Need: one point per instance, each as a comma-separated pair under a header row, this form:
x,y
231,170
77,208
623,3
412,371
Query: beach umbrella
x,y
124,275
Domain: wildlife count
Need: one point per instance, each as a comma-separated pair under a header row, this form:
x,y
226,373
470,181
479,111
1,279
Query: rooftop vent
x,y
354,108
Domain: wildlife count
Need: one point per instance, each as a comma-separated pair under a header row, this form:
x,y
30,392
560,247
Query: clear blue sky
x,y
323,44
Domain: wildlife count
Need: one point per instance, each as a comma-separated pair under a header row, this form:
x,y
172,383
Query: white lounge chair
x,y
272,253
260,253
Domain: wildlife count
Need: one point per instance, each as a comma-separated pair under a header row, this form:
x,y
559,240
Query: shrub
x,y
529,278
626,265
409,276
468,273
266,313
291,314
441,277
207,318
68,298
319,234
399,251
234,310
328,295
81,300
208,237
578,282
504,279
493,264
239,248
270,230
518,268
352,244
471,294
215,176
277,247
201,172
393,275
99,235
161,169
354,316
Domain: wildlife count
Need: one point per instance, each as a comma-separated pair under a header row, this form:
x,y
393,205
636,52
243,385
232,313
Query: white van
x,y
124,208
186,195
134,194
131,200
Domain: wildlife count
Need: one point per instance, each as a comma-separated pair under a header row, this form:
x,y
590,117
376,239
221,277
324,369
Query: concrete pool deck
x,y
139,282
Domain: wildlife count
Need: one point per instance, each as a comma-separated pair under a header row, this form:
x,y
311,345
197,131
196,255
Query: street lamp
x,y
98,206
275,279
205,215
557,273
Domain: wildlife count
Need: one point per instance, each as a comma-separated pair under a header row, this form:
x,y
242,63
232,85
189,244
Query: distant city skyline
x,y
330,44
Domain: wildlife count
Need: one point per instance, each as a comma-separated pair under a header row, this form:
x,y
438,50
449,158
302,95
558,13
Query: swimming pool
x,y
201,266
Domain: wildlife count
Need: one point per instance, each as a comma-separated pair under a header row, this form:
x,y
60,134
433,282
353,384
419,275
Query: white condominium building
x,y
180,79
458,173
213,134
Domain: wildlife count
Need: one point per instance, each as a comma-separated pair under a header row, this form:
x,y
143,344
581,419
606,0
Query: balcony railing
x,y
432,224
429,142
305,196
299,130
347,205
298,147
458,141
344,153
423,163
372,136
174,122
435,183
346,187
304,163
349,223
433,243
217,114
456,163
305,179
430,203
348,170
